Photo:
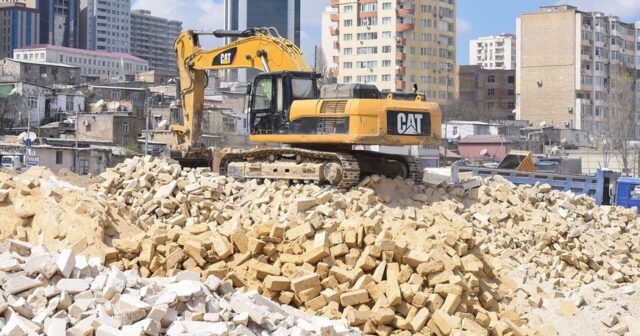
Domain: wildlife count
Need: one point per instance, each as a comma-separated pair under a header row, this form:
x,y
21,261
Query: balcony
x,y
336,59
336,45
335,31
368,14
335,17
400,71
401,42
404,26
403,12
400,85
585,57
587,42
400,56
335,3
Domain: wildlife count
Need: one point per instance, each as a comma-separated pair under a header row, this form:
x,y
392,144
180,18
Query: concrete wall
x,y
109,128
39,74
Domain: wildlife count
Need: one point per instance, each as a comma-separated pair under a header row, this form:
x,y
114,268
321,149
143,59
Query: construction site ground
x,y
150,248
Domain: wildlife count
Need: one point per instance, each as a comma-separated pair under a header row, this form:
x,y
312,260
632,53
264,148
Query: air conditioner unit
x,y
85,123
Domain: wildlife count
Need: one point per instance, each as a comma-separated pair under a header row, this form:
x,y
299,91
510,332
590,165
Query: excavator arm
x,y
258,48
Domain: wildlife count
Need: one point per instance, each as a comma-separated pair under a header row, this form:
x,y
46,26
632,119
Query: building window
x,y
125,127
348,51
491,92
386,49
366,64
347,37
115,95
367,50
386,5
347,9
368,21
347,79
69,103
386,34
59,157
87,128
369,7
348,65
367,36
386,20
347,23
386,63
511,79
491,79
510,93
511,105
455,130
32,102
386,78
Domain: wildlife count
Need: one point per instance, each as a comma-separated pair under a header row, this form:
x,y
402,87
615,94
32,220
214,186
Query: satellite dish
x,y
24,136
484,152
543,124
100,103
113,106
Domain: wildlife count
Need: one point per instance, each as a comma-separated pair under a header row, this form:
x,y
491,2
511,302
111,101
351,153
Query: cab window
x,y
263,94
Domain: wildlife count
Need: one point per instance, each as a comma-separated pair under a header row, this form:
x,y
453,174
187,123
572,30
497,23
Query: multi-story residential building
x,y
329,40
60,22
94,65
284,15
489,92
396,44
152,39
19,27
563,65
106,25
494,52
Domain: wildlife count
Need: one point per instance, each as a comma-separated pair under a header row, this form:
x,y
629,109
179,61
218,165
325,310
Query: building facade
x,y
94,65
564,59
60,22
492,93
106,25
284,15
152,39
19,27
494,52
396,44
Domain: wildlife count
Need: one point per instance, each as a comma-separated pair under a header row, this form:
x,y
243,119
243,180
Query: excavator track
x,y
343,170
298,164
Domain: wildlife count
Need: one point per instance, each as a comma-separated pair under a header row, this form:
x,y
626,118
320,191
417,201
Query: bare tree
x,y
619,125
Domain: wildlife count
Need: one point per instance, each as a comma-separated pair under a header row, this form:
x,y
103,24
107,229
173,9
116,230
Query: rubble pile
x,y
65,294
565,238
388,257
39,208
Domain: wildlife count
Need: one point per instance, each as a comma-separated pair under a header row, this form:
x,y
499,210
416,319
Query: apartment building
x,y
490,93
19,27
563,62
396,44
152,39
494,52
94,65
106,25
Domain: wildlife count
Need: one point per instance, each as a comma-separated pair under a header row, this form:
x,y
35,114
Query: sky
x,y
475,17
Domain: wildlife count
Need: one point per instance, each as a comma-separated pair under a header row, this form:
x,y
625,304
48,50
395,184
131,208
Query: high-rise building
x,y
564,57
329,40
494,52
284,15
152,39
19,27
105,25
60,22
396,44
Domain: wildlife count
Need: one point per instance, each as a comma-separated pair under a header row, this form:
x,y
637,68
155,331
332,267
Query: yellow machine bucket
x,y
518,160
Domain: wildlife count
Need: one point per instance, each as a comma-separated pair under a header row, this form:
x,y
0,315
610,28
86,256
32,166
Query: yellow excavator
x,y
315,137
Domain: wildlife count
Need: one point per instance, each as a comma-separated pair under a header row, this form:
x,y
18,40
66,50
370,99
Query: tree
x,y
619,126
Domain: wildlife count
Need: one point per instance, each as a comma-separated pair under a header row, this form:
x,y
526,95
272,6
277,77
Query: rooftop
x,y
62,65
83,51
484,139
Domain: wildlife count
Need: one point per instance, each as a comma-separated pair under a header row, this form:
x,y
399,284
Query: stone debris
x,y
388,257
111,302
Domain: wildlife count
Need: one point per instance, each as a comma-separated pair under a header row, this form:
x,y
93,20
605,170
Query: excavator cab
x,y
273,93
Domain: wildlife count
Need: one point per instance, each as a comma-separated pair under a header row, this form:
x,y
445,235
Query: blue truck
x,y
607,187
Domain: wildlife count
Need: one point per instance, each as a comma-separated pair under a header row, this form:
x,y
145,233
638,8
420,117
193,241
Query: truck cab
x,y
628,192
12,162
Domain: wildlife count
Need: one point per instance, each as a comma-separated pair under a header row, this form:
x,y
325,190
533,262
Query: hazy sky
x,y
475,17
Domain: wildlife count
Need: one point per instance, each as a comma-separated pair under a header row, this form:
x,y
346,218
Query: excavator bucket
x,y
518,160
